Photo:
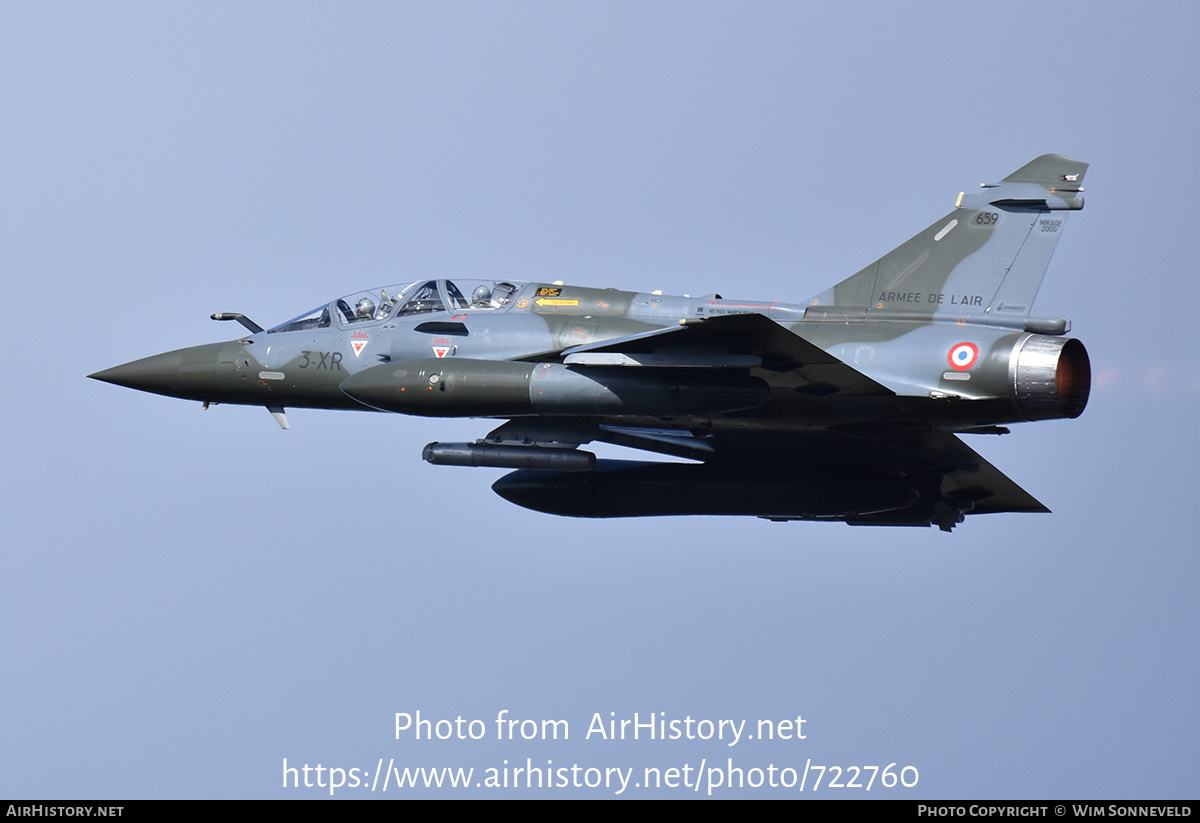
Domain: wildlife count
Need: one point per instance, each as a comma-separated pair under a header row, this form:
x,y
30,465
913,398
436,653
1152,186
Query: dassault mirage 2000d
x,y
845,407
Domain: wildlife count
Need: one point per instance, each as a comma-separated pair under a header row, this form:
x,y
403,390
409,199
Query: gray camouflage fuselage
x,y
842,408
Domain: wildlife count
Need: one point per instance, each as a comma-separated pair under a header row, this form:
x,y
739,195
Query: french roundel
x,y
963,356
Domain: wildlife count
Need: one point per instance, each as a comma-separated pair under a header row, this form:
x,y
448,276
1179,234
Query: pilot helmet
x,y
364,308
481,295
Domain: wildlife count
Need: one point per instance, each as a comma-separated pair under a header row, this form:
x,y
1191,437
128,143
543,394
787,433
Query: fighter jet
x,y
847,407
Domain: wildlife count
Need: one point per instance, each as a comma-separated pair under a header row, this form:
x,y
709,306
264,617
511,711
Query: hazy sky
x,y
188,599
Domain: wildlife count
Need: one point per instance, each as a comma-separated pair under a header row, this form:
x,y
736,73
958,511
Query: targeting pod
x,y
509,457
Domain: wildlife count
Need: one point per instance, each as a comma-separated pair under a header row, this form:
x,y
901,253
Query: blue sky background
x,y
188,598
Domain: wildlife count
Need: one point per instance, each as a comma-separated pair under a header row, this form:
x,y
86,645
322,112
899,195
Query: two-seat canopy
x,y
405,300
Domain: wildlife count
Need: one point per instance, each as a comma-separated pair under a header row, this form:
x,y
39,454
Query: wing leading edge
x,y
918,478
732,341
930,479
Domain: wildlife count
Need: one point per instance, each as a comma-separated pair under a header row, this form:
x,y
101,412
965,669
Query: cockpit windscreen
x,y
405,300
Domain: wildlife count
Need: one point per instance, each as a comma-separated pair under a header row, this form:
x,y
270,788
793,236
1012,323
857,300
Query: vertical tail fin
x,y
984,261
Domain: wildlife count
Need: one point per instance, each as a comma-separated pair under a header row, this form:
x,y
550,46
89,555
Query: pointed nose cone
x,y
188,373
